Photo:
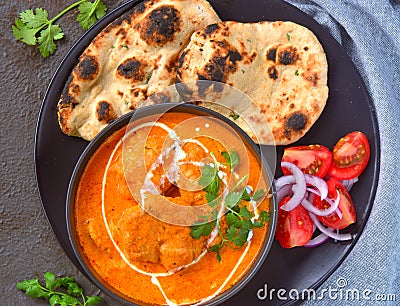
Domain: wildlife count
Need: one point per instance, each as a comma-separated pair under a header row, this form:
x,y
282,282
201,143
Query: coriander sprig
x,y
240,220
34,27
72,296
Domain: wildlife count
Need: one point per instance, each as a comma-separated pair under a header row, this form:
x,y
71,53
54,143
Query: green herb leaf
x,y
258,195
93,300
69,300
241,238
232,158
208,175
234,115
296,73
74,295
23,33
34,20
231,218
232,199
244,212
33,26
90,12
288,36
55,300
264,216
33,288
212,199
216,248
245,195
50,280
258,224
46,39
231,232
199,230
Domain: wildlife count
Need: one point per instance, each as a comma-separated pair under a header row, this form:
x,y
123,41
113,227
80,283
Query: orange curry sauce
x,y
190,285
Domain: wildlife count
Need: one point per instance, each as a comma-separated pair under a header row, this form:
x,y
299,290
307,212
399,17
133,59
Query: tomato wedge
x,y
345,205
312,159
350,156
295,227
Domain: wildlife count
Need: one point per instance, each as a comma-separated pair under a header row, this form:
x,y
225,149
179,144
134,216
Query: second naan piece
x,y
281,66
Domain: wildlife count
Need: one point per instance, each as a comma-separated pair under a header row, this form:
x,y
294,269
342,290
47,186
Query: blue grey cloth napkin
x,y
369,31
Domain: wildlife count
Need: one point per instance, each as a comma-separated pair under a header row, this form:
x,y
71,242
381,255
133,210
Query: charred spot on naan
x,y
133,69
159,98
295,123
288,55
272,72
312,77
160,26
211,28
271,54
222,63
105,112
87,68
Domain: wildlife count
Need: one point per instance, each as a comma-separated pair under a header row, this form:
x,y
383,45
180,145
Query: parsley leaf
x,y
208,174
90,12
50,280
199,230
34,19
92,300
258,195
216,248
238,217
33,26
46,39
232,199
264,216
245,213
232,158
234,115
74,295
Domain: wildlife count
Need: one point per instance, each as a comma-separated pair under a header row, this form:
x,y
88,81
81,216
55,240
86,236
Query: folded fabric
x,y
369,31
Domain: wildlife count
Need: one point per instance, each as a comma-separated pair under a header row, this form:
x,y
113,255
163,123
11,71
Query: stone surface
x,y
28,247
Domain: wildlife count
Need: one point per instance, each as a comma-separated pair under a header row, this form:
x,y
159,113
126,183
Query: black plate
x,y
349,108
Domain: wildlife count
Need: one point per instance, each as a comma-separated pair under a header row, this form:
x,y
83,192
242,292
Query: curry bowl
x,y
172,203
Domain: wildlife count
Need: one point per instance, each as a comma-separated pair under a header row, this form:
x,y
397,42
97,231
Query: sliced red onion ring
x,y
284,180
321,212
283,192
300,186
318,183
328,231
312,180
338,211
320,239
348,184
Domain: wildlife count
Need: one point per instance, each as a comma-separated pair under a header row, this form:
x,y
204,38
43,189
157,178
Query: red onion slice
x,y
283,181
321,212
331,202
283,192
318,183
348,184
328,232
312,180
317,241
299,187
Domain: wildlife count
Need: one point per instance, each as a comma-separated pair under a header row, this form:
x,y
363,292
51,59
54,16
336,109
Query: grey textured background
x,y
369,31
28,247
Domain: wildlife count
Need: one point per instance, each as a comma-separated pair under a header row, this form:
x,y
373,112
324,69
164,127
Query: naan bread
x,y
131,59
281,66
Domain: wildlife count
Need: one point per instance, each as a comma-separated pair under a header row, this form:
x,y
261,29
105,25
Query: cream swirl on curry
x,y
151,225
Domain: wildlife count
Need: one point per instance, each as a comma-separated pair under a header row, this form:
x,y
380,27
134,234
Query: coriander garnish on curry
x,y
186,229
